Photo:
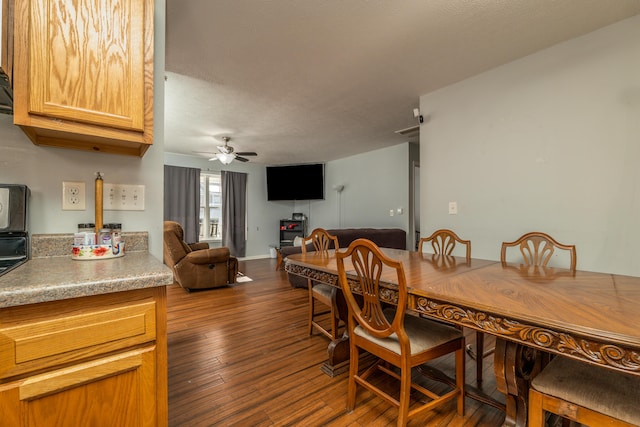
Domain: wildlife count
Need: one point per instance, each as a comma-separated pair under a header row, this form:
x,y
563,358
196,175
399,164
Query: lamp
x,y
225,158
339,188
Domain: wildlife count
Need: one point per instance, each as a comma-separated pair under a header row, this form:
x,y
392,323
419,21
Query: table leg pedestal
x,y
515,366
338,350
338,360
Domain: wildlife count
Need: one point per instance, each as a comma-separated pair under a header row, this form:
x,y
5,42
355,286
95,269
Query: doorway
x,y
414,220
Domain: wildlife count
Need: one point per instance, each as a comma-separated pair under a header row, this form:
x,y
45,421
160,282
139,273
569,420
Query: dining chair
x,y
537,249
443,242
392,335
584,393
321,242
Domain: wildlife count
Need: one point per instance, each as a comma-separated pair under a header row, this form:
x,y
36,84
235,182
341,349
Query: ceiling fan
x,y
226,154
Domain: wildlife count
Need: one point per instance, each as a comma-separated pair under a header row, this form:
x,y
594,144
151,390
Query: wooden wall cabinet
x,y
93,361
83,74
6,38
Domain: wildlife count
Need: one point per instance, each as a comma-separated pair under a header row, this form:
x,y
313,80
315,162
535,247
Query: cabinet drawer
x,y
115,390
30,346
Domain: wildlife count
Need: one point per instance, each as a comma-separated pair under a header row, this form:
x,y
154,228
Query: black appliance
x,y
6,94
14,236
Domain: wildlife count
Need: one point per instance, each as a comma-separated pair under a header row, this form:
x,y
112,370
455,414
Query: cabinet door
x,y
84,73
118,390
6,38
87,60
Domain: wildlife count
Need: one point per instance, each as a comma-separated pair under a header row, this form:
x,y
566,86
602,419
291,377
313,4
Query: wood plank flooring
x,y
241,356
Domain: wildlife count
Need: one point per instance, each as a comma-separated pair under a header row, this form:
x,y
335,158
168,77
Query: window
x,y
210,206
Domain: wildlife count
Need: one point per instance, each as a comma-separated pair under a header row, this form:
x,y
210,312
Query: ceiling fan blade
x,y
241,159
247,153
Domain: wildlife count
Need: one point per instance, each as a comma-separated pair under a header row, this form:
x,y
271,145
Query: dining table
x,y
533,312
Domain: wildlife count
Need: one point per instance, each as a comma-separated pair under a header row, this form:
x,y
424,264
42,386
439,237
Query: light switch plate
x,y
121,197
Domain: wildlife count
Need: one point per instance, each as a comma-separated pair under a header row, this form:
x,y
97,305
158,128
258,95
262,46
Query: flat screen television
x,y
295,182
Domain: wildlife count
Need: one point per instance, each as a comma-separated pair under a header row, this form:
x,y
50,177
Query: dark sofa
x,y
384,237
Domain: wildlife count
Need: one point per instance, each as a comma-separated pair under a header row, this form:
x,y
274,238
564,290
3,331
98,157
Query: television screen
x,y
295,182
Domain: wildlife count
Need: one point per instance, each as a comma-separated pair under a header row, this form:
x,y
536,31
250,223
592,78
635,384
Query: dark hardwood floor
x,y
241,356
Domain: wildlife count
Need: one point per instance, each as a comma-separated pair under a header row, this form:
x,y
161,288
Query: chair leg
x,y
460,381
405,394
353,371
536,413
311,307
480,357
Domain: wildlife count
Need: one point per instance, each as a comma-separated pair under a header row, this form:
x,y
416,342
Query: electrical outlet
x,y
73,196
121,197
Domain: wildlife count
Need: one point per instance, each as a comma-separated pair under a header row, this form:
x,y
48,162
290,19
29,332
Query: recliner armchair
x,y
195,265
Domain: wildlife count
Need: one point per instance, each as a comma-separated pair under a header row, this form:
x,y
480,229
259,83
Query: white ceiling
x,y
303,81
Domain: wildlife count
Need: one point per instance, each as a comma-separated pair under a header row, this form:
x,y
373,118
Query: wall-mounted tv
x,y
295,182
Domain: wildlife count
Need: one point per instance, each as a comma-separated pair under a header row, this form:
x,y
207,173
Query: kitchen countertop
x,y
58,278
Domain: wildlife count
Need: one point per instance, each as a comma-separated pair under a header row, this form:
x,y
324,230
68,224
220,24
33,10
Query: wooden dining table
x,y
532,311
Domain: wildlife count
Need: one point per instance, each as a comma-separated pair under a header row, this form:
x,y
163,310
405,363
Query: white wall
x,y
550,143
43,169
374,183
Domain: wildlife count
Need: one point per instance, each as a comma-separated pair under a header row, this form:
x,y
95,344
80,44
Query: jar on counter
x,y
104,236
86,234
88,227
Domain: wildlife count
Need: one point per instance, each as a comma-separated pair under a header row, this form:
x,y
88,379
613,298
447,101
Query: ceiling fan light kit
x,y
225,158
226,155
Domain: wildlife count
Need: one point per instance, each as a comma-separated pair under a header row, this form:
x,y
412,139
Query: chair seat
x,y
423,334
322,291
609,392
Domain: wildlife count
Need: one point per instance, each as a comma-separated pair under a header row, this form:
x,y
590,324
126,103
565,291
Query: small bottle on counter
x,y
78,239
116,229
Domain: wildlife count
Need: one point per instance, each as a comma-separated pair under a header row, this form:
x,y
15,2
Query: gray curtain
x,y
234,211
182,199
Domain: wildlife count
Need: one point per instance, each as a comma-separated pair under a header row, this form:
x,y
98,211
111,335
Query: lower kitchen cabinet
x,y
92,361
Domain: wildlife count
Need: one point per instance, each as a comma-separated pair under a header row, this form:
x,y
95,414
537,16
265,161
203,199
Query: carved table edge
x,y
574,345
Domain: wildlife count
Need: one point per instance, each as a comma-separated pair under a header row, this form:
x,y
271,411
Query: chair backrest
x,y
443,242
175,248
321,240
537,248
368,264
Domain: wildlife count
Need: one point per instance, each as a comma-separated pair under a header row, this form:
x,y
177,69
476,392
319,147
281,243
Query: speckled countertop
x,y
55,278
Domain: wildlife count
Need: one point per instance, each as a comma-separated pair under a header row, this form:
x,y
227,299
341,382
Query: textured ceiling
x,y
302,81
